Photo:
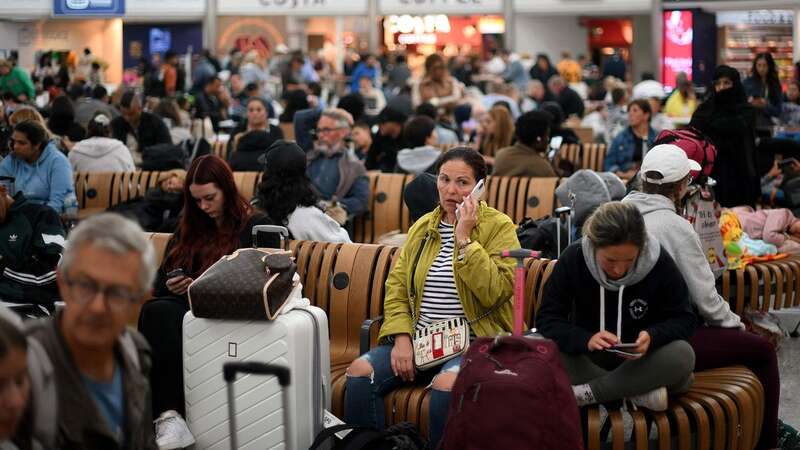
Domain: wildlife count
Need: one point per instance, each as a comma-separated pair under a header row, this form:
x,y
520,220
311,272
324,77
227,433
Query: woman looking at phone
x,y
616,286
215,221
452,261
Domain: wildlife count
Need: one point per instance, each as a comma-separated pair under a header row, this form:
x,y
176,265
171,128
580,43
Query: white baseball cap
x,y
668,160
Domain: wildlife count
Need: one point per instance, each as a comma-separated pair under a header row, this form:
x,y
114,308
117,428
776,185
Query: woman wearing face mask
x,y
729,121
720,340
215,221
453,264
617,286
14,382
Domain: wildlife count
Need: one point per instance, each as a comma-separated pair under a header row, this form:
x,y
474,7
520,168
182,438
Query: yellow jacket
x,y
482,278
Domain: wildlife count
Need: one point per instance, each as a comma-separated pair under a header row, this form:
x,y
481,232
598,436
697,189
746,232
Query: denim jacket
x,y
620,152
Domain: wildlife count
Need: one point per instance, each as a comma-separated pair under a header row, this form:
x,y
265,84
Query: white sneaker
x,y
655,400
172,431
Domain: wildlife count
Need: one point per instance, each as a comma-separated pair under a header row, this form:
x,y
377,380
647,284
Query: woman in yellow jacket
x,y
449,267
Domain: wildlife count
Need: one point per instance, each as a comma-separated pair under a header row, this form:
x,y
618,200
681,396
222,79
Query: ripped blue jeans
x,y
363,401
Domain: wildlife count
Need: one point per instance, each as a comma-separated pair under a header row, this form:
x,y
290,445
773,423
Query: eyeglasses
x,y
84,290
328,130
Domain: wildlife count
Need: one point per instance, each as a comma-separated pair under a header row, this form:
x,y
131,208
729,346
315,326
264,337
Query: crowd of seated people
x,y
643,276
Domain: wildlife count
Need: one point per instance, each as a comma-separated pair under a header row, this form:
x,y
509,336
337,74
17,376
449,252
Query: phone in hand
x,y
622,346
786,163
175,273
477,193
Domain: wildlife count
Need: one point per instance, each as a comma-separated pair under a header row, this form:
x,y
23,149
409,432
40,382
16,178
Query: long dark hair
x,y
199,239
285,184
772,83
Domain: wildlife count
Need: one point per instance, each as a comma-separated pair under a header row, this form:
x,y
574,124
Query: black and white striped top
x,y
440,297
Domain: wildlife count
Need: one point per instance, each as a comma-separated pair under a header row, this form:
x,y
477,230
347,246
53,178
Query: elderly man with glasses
x,y
96,365
335,171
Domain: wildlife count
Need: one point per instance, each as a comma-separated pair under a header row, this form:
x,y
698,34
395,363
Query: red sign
x,y
677,46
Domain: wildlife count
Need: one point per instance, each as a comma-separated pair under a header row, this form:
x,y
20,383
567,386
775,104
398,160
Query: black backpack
x,y
164,157
401,436
542,235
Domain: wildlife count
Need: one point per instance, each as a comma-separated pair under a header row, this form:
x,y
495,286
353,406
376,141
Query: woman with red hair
x,y
216,220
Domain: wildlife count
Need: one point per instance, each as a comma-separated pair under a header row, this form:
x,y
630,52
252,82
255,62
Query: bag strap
x,y
413,295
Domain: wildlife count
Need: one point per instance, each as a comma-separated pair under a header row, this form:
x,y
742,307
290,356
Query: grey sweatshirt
x,y
678,238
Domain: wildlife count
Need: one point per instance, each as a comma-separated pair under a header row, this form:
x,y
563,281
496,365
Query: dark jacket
x,y
729,121
209,106
537,73
382,154
31,242
570,310
773,94
151,131
304,121
250,147
80,423
157,211
570,102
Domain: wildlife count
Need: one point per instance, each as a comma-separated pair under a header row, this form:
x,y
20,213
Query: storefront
x,y
711,33
597,29
422,27
53,28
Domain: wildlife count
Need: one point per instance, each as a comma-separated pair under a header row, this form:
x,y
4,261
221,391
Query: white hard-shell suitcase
x,y
297,340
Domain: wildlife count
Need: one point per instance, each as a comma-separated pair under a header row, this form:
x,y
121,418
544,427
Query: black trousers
x,y
161,323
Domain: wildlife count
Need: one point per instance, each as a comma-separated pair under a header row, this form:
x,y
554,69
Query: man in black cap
x,y
387,142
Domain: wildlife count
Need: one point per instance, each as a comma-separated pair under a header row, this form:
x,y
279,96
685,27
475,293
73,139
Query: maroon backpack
x,y
512,393
696,145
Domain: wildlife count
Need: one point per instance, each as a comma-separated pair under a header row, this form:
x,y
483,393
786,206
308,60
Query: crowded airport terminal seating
x,y
722,410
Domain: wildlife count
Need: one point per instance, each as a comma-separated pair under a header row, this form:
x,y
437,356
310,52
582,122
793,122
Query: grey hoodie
x,y
647,259
679,239
417,160
591,189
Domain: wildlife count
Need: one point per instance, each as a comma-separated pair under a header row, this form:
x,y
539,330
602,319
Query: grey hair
x,y
342,117
117,234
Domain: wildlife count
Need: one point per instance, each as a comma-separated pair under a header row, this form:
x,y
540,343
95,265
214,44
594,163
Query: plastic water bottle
x,y
70,209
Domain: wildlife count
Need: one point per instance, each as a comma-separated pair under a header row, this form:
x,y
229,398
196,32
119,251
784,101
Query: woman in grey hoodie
x,y
720,340
614,287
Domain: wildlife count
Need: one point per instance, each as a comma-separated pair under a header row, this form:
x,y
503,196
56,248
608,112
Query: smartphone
x,y
621,346
624,353
784,163
477,193
175,273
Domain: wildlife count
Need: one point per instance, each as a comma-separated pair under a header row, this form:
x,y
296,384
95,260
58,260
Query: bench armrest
x,y
366,327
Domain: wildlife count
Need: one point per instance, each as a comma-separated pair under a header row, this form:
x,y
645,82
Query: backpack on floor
x,y
696,145
400,436
512,392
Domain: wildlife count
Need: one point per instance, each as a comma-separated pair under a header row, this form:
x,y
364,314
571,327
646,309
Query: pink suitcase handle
x,y
519,283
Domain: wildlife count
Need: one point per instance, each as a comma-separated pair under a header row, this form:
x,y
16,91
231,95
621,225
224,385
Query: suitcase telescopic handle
x,y
283,232
229,371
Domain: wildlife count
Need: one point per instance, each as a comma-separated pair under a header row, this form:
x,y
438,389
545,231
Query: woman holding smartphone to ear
x,y
617,286
448,268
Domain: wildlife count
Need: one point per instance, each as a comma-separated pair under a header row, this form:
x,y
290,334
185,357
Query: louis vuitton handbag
x,y
250,284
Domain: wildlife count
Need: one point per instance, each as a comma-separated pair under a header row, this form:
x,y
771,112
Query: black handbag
x,y
163,157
